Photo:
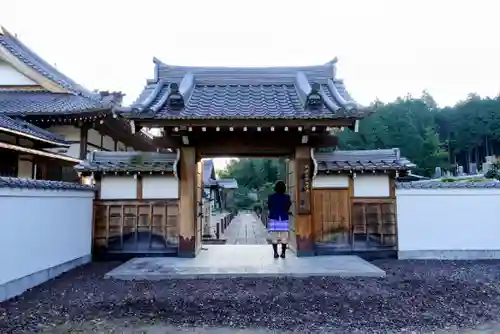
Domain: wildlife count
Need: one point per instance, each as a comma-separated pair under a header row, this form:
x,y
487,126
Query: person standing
x,y
279,205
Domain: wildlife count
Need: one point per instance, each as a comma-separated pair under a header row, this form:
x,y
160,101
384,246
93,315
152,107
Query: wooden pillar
x,y
84,131
303,221
97,186
188,207
291,186
139,187
199,205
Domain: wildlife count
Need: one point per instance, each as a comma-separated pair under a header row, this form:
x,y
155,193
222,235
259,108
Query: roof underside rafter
x,y
308,92
27,130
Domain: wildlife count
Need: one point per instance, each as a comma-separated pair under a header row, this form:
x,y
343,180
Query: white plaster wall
x,y
42,229
108,143
9,76
118,187
330,181
94,137
73,150
25,169
448,219
156,187
69,132
121,146
371,185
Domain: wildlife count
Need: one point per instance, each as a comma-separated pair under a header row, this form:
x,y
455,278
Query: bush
x,y
492,174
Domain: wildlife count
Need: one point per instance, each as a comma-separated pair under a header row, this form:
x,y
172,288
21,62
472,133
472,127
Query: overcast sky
x,y
385,48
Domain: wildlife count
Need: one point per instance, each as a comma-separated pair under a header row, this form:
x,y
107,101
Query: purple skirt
x,y
278,225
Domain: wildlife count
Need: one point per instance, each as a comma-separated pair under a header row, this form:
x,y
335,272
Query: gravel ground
x,y
418,296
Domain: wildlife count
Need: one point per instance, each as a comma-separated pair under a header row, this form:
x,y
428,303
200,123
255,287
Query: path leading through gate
x,y
246,254
246,229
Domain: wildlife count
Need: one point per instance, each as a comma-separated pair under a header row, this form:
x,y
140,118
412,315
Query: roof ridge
x,y
331,63
15,182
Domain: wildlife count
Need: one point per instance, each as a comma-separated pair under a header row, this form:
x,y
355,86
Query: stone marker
x,y
473,168
437,172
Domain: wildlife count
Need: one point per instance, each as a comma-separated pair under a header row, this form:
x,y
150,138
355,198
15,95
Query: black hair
x,y
280,187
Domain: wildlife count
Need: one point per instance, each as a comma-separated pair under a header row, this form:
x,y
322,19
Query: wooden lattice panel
x,y
120,225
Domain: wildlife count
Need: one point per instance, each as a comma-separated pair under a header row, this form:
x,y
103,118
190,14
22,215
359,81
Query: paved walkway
x,y
255,261
245,229
245,254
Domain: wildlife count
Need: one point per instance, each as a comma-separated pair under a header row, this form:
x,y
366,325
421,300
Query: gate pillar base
x,y
305,246
187,247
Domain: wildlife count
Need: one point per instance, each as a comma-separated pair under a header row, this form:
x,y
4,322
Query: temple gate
x,y
258,112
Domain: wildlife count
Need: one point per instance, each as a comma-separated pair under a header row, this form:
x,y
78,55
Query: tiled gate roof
x,y
133,162
307,92
361,160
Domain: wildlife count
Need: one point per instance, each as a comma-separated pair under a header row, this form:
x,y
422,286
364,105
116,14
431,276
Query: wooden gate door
x,y
331,217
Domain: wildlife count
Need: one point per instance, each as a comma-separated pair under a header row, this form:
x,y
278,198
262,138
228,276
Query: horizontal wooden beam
x,y
246,143
245,122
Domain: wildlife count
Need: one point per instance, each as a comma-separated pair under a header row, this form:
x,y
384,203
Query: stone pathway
x,y
246,229
231,261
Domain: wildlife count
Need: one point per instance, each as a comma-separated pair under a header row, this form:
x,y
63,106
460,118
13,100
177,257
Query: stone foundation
x,y
449,255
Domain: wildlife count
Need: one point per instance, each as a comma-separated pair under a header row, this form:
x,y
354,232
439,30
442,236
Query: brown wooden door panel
x,y
330,213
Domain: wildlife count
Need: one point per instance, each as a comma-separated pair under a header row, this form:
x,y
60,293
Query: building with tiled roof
x,y
307,92
208,107
39,104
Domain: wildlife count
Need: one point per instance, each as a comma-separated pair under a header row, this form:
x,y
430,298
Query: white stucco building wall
x,y
365,185
448,223
330,181
118,187
125,187
160,187
44,233
376,185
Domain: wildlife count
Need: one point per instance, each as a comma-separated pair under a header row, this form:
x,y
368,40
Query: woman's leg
x,y
274,240
275,250
284,241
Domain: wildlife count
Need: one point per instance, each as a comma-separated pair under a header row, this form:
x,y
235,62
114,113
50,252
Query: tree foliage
x,y
430,136
427,135
254,176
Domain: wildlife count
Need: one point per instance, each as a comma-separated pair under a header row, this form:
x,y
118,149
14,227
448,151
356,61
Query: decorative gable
x,y
9,76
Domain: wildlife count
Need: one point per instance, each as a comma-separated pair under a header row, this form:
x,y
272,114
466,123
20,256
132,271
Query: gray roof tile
x,y
26,103
14,182
361,160
436,184
143,162
30,130
245,93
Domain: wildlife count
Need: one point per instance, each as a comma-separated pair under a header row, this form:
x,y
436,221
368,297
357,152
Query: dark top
x,y
279,206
